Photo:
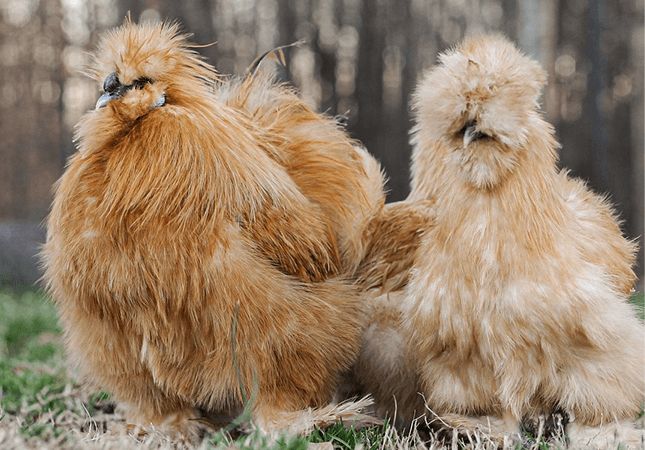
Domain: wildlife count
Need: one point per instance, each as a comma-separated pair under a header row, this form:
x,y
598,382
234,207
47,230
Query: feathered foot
x,y
624,434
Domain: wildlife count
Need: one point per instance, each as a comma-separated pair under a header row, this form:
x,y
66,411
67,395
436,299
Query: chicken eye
x,y
140,83
479,135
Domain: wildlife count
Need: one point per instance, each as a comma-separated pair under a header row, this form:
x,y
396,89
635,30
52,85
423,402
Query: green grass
x,y
348,438
341,437
31,356
23,318
32,367
36,389
638,299
256,441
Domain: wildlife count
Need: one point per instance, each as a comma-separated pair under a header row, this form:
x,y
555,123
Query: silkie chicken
x,y
521,303
199,256
516,301
346,184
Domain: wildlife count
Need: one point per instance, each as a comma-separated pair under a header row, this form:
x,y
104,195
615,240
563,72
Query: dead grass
x,y
42,407
76,428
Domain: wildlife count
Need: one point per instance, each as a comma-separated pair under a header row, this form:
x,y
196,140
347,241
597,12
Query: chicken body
x,y
346,183
193,262
518,303
385,369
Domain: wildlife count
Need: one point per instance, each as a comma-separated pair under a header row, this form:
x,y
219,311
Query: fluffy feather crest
x,y
486,79
159,52
479,109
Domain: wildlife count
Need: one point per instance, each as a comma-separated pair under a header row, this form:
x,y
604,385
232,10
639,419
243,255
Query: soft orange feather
x,y
184,216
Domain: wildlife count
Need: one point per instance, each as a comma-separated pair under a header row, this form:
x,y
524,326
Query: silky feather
x,y
509,297
521,306
344,180
191,269
384,368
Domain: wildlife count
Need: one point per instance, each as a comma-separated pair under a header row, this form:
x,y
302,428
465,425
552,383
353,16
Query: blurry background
x,y
361,58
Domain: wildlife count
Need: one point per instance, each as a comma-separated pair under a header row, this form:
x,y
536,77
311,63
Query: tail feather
x,y
303,422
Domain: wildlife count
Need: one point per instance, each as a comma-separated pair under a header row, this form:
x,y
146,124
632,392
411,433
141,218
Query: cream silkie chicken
x,y
517,301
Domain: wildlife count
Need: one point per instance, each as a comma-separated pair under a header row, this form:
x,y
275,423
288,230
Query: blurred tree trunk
x,y
133,7
529,27
635,115
618,106
510,19
326,61
287,22
196,17
369,83
597,84
395,140
51,132
548,40
31,125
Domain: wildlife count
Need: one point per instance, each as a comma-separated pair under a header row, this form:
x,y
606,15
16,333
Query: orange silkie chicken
x,y
347,184
195,262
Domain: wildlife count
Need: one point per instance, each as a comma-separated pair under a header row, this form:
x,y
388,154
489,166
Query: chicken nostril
x,y
470,133
111,83
471,124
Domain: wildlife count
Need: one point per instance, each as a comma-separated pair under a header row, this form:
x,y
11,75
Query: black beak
x,y
471,134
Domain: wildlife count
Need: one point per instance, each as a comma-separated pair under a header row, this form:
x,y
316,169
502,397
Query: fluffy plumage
x,y
519,304
347,184
384,369
193,258
500,286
